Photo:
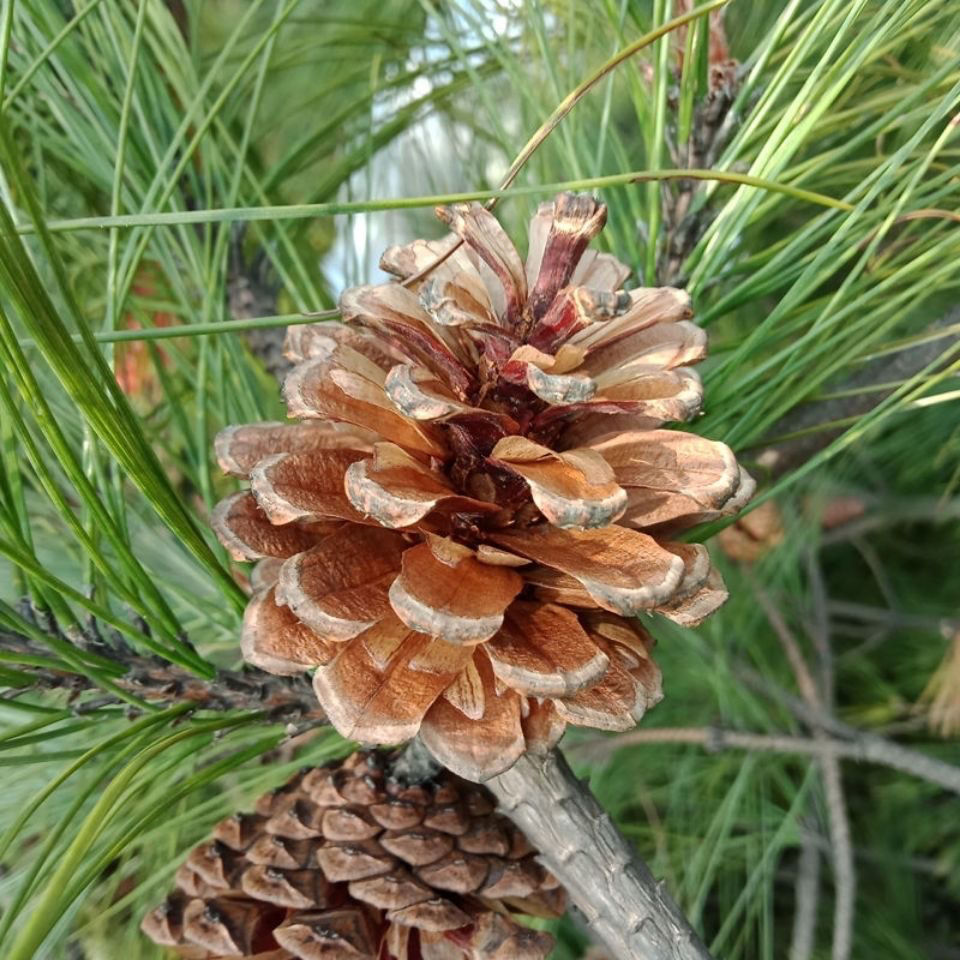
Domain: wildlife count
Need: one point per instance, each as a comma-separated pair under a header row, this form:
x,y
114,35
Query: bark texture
x,y
288,700
623,904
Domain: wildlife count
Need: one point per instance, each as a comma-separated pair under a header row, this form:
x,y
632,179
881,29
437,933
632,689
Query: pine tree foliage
x,y
182,179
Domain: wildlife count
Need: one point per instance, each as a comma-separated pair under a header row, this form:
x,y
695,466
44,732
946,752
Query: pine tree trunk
x,y
624,906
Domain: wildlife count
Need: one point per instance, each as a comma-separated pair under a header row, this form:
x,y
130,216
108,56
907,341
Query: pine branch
x,y
287,700
803,939
252,292
621,901
810,427
863,747
820,701
613,891
685,220
623,905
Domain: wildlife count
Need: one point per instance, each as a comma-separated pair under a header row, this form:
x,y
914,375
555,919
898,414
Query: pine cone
x,y
456,544
348,862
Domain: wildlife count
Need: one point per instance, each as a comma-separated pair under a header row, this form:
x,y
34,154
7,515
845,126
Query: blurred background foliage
x,y
834,374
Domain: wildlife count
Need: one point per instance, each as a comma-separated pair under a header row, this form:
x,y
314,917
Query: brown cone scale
x,y
445,886
479,475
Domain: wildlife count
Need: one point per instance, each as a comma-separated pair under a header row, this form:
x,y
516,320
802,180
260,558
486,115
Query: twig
x,y
622,902
716,739
819,628
891,618
624,906
876,749
928,866
844,871
865,748
807,890
886,513
684,223
805,682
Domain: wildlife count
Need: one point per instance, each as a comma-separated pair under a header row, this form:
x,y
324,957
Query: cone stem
x,y
623,905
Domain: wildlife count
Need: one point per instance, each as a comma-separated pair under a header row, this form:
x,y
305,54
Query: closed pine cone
x,y
479,497
346,862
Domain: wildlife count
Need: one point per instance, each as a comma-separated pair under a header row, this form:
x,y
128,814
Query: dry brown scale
x,y
480,498
347,862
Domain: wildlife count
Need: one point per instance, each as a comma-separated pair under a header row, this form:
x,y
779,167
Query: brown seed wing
x,y
693,608
661,346
466,692
577,219
240,448
672,461
648,305
658,394
479,229
552,586
397,314
600,271
542,726
575,489
398,491
313,391
455,277
309,341
609,704
630,686
305,486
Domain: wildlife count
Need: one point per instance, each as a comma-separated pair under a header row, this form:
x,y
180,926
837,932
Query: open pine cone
x,y
347,862
479,496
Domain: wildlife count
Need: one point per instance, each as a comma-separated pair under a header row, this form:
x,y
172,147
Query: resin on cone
x,y
480,497
347,862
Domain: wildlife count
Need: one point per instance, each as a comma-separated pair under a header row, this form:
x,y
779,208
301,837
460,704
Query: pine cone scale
x,y
347,899
480,468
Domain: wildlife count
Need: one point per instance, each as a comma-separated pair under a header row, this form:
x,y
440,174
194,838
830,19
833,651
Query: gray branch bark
x,y
288,700
804,937
866,748
862,745
624,906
